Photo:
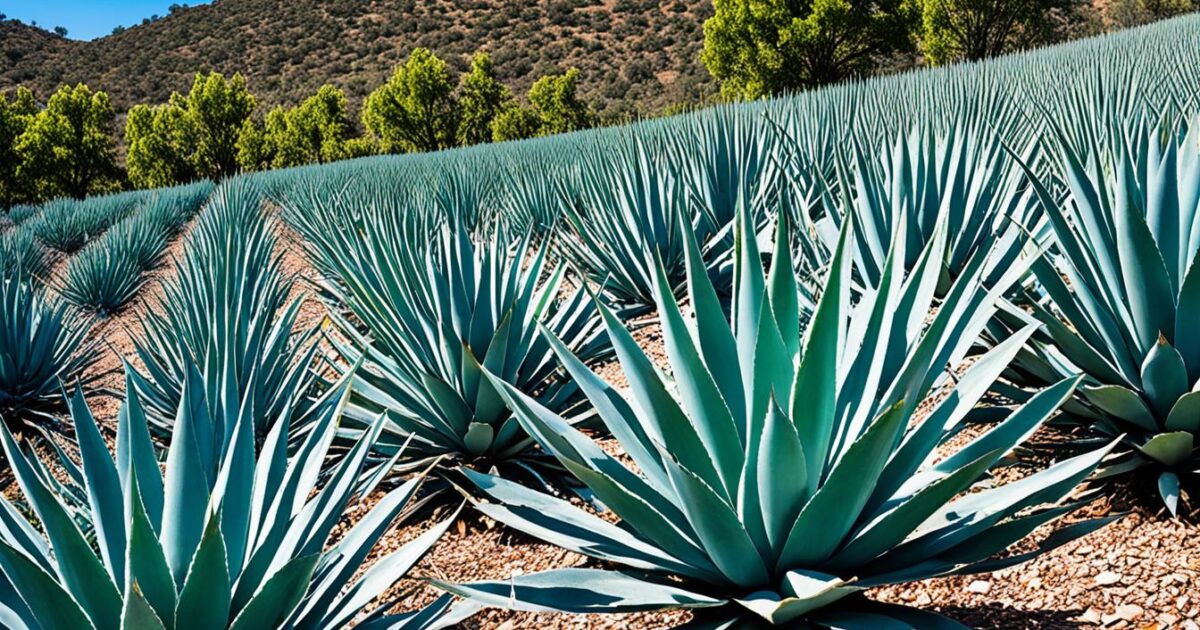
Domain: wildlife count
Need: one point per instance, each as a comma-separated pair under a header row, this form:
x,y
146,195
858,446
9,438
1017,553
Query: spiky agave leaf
x,y
226,536
22,256
623,210
783,470
434,319
42,342
68,224
111,269
1121,284
227,309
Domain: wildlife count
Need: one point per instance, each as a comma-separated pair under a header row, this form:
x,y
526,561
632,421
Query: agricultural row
x,y
870,298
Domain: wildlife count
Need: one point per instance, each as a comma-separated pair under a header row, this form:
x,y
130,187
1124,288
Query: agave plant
x,y
1120,286
22,256
18,215
964,176
110,270
224,537
627,209
428,310
781,473
67,224
227,309
42,342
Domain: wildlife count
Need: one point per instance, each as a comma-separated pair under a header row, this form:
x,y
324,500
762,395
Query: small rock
x,y
1129,612
923,600
979,586
1108,578
1091,615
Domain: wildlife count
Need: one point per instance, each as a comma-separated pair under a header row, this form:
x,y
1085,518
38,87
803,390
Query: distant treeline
x,y
68,147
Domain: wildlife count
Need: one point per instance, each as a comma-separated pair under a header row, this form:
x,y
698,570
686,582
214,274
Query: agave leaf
x,y
279,595
1169,449
1168,489
146,565
806,591
579,591
559,522
103,486
713,334
186,483
50,603
1148,286
814,393
138,614
135,456
1185,415
700,398
1164,376
204,599
1122,403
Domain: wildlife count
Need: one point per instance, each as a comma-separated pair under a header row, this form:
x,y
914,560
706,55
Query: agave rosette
x,y
782,473
1120,284
222,537
427,318
227,309
43,342
622,211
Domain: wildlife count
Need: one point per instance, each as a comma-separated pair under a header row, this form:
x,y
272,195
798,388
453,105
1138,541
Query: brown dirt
x,y
117,333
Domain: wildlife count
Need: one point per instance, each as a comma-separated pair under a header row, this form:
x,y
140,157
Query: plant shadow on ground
x,y
999,617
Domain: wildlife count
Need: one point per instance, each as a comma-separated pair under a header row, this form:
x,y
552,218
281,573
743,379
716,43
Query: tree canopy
x,y
762,47
15,116
481,97
67,148
415,109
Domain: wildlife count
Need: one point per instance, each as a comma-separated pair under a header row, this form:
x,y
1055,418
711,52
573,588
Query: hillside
x,y
632,53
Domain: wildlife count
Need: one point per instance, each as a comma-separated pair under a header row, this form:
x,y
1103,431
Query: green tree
x,y
481,98
67,148
556,99
415,109
954,30
161,144
314,131
15,117
254,151
218,108
516,123
762,47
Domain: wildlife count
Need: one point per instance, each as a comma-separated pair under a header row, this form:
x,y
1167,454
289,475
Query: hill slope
x,y
632,53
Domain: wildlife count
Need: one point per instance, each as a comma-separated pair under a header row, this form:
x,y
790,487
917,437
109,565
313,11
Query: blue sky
x,y
87,19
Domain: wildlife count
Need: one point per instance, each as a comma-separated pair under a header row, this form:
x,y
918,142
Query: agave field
x,y
776,363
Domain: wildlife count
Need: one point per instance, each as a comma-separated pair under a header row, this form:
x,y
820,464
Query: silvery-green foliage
x,y
1119,288
784,468
225,535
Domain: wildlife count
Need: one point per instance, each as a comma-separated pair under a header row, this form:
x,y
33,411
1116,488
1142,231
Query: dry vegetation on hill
x,y
634,55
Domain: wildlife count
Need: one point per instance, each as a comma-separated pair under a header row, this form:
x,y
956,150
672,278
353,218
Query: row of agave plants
x,y
866,274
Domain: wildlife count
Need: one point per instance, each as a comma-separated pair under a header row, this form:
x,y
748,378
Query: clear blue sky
x,y
87,19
